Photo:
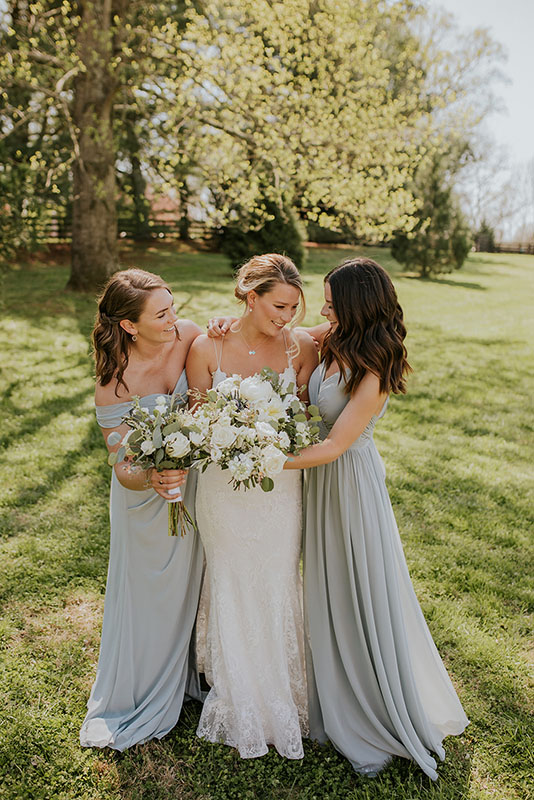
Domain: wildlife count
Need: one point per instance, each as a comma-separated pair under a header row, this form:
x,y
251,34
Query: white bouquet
x,y
250,425
160,440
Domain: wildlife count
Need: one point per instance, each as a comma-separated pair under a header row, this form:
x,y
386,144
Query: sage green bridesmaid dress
x,y
381,686
146,662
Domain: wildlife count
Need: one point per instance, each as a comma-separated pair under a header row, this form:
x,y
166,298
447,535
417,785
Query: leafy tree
x,y
324,105
280,233
485,238
440,240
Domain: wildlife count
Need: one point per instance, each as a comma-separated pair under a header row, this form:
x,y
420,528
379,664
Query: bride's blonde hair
x,y
262,273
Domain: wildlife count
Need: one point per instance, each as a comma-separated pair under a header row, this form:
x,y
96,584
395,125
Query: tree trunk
x,y
94,218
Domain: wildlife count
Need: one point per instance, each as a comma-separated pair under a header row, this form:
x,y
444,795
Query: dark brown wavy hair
x,y
124,297
369,336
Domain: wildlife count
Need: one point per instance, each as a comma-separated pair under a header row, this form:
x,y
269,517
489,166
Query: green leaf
x,y
171,428
157,437
112,459
114,438
159,457
314,411
267,484
300,417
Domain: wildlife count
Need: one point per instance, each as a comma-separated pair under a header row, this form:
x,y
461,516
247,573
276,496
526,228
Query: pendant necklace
x,y
251,352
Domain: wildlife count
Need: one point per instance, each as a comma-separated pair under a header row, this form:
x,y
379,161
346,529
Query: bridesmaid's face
x,y
273,310
328,309
157,321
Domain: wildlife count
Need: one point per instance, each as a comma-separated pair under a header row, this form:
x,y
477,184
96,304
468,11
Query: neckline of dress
x,y
219,371
144,396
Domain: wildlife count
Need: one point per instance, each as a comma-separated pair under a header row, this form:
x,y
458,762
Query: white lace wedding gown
x,y
254,658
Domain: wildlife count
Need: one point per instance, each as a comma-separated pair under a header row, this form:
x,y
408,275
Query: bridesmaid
x,y
145,665
383,690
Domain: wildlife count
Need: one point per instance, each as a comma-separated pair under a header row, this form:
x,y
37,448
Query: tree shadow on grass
x,y
446,282
31,423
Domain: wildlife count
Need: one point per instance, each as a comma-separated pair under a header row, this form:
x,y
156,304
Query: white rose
x,y
265,431
275,408
223,435
215,454
177,445
272,460
283,440
255,390
227,385
197,437
241,467
148,447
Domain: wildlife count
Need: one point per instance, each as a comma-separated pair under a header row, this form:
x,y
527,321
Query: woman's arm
x,y
200,366
136,479
307,361
317,332
365,402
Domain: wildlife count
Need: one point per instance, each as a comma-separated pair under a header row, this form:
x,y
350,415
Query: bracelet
x,y
148,482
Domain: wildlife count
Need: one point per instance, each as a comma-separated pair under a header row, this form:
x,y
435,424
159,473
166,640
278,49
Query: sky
x,y
511,23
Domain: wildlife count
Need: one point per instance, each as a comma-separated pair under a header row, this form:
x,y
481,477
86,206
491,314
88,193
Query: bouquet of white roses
x,y
250,425
159,439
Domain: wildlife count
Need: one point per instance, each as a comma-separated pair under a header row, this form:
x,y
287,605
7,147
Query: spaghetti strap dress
x,y
254,646
146,663
383,690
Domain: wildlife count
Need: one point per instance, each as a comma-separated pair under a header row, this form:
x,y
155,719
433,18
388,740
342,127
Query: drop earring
x,y
250,309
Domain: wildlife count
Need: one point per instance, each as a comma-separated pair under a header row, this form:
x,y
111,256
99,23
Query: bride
x,y
254,658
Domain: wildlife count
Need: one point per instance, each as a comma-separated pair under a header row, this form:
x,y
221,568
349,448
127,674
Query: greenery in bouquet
x,y
249,426
159,439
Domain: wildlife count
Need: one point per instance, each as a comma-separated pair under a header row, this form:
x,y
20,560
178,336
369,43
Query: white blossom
x,y
272,460
177,445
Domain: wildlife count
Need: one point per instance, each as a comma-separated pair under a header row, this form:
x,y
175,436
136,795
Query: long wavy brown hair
x,y
369,336
124,297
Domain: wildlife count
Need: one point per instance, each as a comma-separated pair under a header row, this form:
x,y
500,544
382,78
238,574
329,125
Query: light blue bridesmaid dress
x,y
146,662
381,685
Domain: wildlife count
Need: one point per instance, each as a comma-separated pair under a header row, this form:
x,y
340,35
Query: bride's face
x,y
273,310
157,321
328,309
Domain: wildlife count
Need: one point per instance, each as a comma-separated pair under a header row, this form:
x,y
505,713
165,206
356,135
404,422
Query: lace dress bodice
x,y
254,646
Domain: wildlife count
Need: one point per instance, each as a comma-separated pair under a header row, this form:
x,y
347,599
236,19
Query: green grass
x,y
458,450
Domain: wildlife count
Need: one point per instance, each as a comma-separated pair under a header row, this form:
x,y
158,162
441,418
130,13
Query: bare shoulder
x,y
306,345
202,347
188,330
105,395
303,338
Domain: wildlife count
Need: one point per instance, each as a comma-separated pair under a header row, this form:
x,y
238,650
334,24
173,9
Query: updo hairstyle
x,y
262,273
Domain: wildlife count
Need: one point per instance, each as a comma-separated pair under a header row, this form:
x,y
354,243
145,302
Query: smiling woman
x,y
254,656
153,581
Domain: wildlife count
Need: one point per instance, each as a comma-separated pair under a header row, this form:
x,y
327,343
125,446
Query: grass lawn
x,y
459,455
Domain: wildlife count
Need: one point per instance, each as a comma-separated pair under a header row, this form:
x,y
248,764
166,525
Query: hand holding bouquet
x,y
159,440
250,425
